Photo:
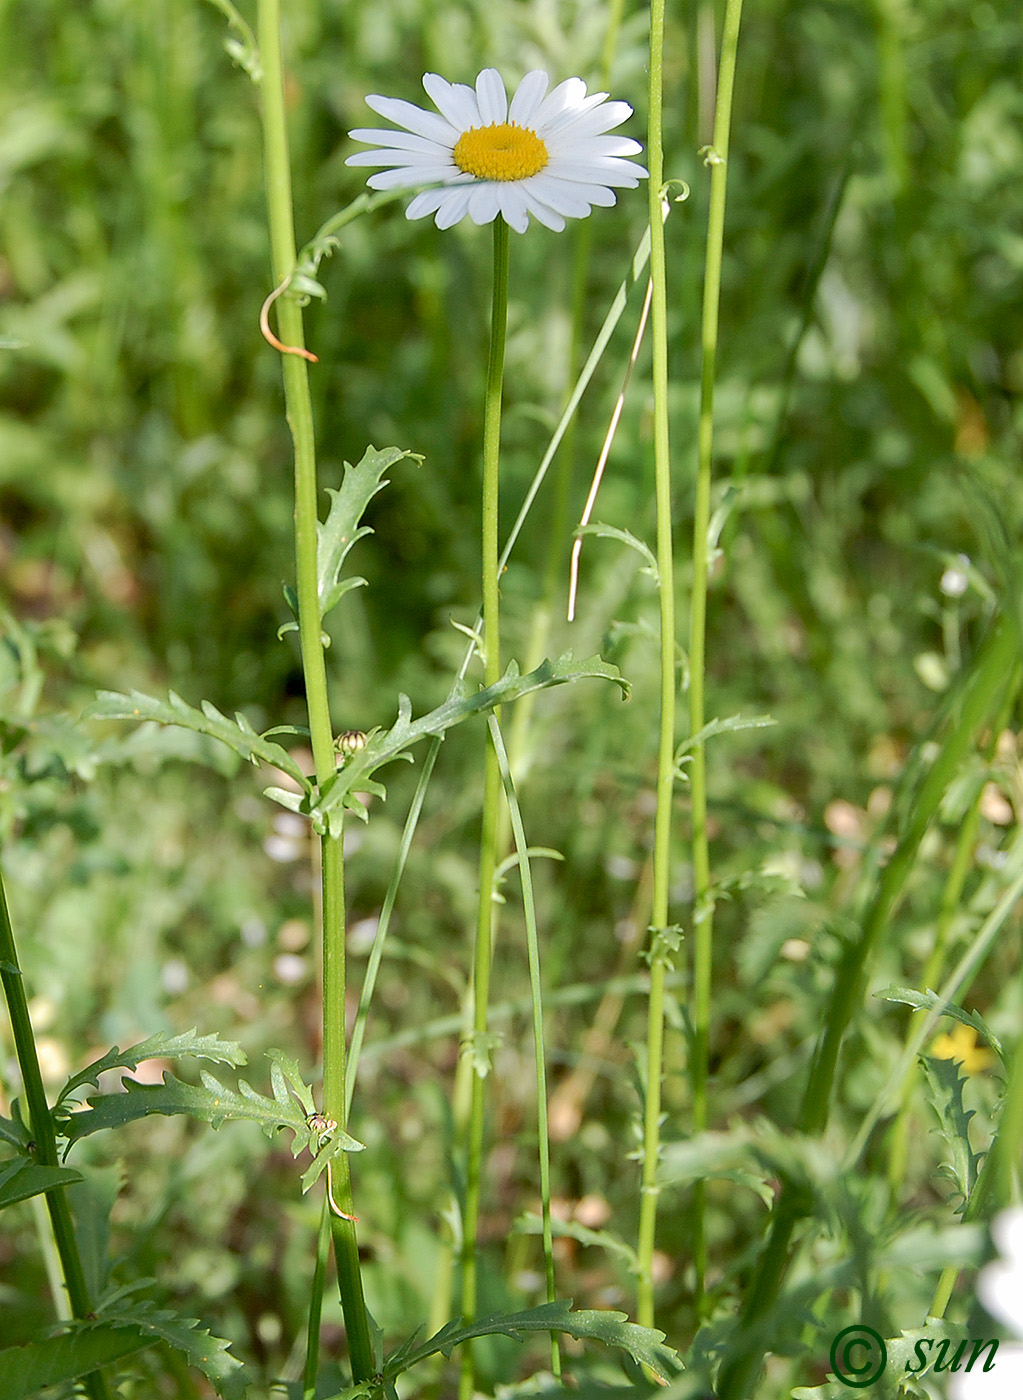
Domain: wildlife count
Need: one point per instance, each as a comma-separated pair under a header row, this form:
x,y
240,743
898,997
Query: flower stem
x,y
703,898
478,1048
666,741
300,419
41,1121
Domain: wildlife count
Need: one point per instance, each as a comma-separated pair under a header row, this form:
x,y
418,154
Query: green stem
x,y
312,1348
300,420
483,950
993,663
533,945
703,899
43,1135
666,738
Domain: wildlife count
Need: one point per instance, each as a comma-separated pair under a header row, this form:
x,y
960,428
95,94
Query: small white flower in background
x,y
1000,1289
545,154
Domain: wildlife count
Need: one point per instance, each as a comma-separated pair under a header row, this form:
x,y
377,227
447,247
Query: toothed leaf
x,y
237,734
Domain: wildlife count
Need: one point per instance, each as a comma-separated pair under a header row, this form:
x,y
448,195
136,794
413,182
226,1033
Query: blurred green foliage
x,y
869,428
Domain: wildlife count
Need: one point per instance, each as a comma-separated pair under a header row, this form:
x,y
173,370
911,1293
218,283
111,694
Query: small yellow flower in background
x,y
543,154
960,1043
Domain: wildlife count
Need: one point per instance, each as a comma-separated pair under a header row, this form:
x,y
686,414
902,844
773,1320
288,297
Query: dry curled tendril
x,y
268,335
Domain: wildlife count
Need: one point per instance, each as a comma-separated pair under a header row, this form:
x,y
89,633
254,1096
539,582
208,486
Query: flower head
x,y
544,153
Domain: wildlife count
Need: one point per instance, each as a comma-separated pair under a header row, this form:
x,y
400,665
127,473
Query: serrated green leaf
x,y
28,1369
211,1102
163,1045
207,1353
643,1344
945,1092
13,1131
731,725
336,535
23,1178
930,1001
384,747
626,537
286,1079
237,734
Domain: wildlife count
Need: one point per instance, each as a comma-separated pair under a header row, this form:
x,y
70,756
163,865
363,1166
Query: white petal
x,y
426,203
413,118
483,203
407,176
528,96
492,97
606,146
438,157
455,101
548,217
398,140
588,122
607,171
454,207
561,196
564,195
513,206
566,96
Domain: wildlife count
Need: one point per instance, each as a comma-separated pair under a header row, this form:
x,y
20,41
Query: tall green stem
x,y
703,900
43,1134
300,420
666,740
483,950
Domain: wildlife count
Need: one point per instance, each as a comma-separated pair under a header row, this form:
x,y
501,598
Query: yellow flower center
x,y
502,151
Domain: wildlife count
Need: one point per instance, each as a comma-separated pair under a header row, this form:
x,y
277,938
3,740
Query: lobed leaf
x,y
237,734
209,1354
643,1344
945,1091
931,1001
731,725
14,1131
211,1102
626,537
383,747
119,1332
28,1369
162,1045
23,1178
341,529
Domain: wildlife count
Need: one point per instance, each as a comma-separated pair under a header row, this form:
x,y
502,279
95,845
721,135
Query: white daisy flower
x,y
545,154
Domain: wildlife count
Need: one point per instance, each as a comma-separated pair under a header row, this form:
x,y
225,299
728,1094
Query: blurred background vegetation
x,y
869,424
